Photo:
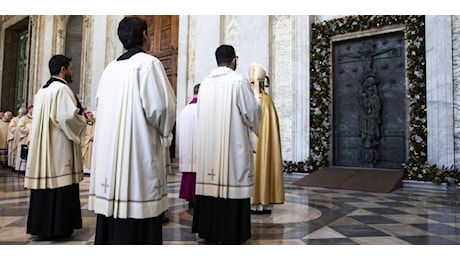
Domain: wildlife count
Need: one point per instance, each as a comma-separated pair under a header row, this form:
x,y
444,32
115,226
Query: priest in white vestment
x,y
13,137
187,130
5,122
87,146
136,112
23,130
227,114
54,166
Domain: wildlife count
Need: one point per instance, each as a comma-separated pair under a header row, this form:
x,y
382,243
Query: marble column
x,y
439,90
301,87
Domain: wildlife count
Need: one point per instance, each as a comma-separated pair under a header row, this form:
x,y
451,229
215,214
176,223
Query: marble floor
x,y
310,216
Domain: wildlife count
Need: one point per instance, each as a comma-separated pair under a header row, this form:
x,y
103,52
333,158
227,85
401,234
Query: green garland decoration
x,y
320,99
416,167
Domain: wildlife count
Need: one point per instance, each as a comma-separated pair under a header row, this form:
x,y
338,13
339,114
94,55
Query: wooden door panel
x,y
163,34
170,66
166,41
167,63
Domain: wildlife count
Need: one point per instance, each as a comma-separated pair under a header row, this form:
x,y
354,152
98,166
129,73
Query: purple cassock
x,y
187,186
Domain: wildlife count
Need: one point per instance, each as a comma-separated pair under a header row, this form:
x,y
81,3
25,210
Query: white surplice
x,y
4,126
13,140
187,127
23,129
4,134
227,113
136,109
54,157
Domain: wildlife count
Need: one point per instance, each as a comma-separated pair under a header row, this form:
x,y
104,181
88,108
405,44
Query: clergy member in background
x,y
227,113
87,145
23,130
187,129
136,111
268,176
54,168
13,137
5,121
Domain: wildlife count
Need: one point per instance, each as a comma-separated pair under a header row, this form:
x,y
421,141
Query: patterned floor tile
x,y
359,231
373,220
309,216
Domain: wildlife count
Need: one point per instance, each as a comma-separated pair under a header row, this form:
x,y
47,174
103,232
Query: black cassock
x,y
222,221
54,213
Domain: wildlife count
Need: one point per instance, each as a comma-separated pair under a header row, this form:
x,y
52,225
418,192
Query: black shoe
x,y
266,211
42,238
261,212
62,238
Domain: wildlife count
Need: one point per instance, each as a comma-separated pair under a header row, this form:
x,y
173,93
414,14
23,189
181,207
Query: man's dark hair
x,y
56,62
196,89
130,32
225,55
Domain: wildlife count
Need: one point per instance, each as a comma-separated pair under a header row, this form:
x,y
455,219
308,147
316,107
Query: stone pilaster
x,y
439,90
